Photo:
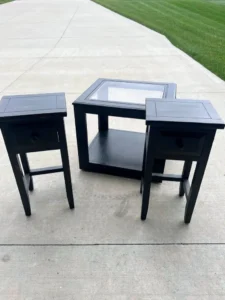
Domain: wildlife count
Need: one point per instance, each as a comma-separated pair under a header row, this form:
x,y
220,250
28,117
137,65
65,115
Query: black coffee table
x,y
116,152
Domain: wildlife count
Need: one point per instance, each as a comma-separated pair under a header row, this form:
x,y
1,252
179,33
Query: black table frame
x,y
94,158
33,123
172,136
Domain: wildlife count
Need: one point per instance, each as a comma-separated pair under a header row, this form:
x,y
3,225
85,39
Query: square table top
x,y
182,112
20,106
124,92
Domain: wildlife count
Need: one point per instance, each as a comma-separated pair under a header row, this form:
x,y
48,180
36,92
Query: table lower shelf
x,y
117,152
120,153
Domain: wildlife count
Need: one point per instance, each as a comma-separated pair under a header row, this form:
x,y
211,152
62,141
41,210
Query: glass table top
x,y
127,92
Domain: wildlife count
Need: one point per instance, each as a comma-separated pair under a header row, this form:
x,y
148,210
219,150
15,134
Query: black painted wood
x,y
186,187
198,176
103,119
120,150
43,171
84,98
149,161
65,163
35,135
168,177
28,106
82,136
18,173
181,130
27,171
103,122
89,158
185,112
117,148
185,176
32,123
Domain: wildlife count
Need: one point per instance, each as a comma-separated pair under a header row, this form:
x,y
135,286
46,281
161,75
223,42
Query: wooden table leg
x,y
103,122
26,168
198,176
158,167
148,170
16,166
82,136
185,176
65,163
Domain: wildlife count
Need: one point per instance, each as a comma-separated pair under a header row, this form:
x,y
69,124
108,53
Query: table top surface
x,y
124,92
128,92
182,111
32,105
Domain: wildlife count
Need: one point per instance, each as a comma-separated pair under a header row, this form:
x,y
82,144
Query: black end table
x,y
116,152
180,130
34,123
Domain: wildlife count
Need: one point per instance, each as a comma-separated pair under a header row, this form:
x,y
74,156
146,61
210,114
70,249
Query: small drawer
x,y
180,143
35,136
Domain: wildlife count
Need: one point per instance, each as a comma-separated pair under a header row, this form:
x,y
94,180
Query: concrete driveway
x,y
102,250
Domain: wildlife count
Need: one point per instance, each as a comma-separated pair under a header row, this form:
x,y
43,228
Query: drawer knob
x,y
35,137
180,143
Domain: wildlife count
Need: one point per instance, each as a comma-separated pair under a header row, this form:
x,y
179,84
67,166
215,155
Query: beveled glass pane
x,y
129,92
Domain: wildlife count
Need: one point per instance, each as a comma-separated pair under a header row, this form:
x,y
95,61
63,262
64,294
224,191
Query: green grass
x,y
4,1
195,26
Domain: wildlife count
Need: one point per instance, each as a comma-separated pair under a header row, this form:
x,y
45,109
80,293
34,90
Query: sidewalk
x,y
102,250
